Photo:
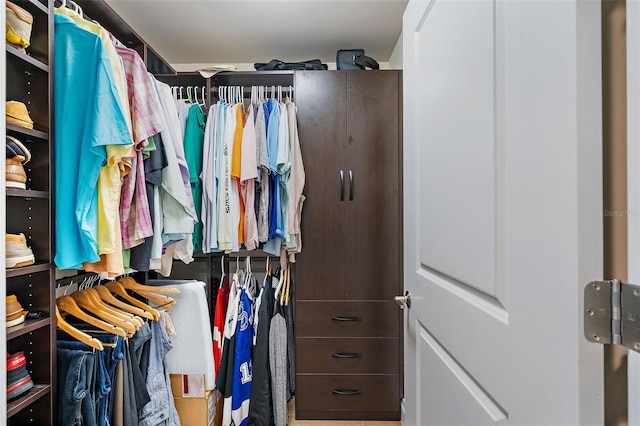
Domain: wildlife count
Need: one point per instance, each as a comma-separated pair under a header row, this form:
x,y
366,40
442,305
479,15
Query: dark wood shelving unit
x,y
30,211
14,128
26,193
34,394
26,327
26,270
36,63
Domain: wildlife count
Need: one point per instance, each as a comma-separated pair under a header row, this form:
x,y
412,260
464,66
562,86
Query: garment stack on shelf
x,y
254,354
111,350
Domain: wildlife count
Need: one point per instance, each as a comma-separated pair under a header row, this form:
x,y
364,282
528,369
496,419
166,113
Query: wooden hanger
x,y
68,305
106,296
117,288
284,292
159,299
131,284
85,301
127,316
77,334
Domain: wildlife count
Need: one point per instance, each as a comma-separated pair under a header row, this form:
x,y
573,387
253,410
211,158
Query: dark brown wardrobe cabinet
x,y
348,328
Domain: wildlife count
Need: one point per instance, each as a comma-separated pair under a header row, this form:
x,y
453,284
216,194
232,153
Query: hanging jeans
x,y
76,385
106,365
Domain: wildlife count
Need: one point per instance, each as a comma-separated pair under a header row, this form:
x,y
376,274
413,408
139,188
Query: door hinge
x,y
612,313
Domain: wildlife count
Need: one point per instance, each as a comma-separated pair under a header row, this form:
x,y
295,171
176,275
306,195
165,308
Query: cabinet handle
x,y
341,185
346,355
350,185
346,318
346,392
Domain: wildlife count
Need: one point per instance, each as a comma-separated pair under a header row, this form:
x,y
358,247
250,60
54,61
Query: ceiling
x,y
191,32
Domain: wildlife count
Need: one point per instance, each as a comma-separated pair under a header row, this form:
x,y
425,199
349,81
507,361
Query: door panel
x,y
321,110
373,151
502,211
458,232
448,387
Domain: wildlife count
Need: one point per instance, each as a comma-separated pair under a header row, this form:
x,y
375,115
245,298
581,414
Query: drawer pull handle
x,y
346,318
346,392
346,355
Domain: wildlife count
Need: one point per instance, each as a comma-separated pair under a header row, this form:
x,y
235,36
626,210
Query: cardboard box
x,y
195,405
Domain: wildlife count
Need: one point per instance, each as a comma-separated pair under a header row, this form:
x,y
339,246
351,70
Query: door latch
x,y
403,301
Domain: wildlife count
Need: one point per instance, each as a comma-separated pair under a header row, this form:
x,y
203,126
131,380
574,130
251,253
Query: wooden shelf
x,y
35,393
26,270
29,59
14,128
26,327
26,193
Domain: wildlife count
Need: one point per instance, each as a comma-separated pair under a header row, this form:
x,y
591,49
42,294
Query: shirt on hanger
x,y
80,143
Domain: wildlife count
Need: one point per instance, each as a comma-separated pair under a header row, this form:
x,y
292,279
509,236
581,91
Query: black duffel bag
x,y
276,65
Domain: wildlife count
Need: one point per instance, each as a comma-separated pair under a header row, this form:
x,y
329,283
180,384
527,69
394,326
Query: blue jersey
x,y
242,369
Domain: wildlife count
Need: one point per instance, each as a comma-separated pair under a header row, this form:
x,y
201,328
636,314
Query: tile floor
x,y
294,422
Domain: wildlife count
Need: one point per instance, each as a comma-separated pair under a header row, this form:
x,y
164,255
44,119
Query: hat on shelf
x,y
19,24
211,70
16,113
17,156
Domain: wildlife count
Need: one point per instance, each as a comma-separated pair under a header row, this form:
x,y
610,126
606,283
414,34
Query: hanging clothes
x,y
209,213
193,150
261,407
82,143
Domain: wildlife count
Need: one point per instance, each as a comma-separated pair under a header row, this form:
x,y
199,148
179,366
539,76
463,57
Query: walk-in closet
x,y
213,246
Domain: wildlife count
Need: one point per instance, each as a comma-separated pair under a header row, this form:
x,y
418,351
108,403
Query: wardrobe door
x,y
374,181
321,107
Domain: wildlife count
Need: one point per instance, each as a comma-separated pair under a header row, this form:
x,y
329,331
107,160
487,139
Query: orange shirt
x,y
235,166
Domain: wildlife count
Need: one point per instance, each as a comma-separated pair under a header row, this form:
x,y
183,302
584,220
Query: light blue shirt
x,y
88,116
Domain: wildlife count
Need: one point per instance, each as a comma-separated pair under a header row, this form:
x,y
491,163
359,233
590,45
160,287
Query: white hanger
x,y
204,97
195,95
279,286
291,93
223,273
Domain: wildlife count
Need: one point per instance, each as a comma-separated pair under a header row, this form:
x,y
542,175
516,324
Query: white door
x,y
503,211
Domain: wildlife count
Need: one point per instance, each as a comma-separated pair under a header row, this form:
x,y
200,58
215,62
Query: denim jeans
x,y
76,384
105,369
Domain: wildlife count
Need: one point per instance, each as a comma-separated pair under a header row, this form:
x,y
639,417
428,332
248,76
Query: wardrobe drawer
x,y
342,395
347,355
347,319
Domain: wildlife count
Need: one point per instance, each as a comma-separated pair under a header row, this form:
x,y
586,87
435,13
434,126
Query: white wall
x,y
395,60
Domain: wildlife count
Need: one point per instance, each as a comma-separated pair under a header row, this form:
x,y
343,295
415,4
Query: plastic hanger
x,y
68,305
106,296
81,336
117,288
278,288
223,273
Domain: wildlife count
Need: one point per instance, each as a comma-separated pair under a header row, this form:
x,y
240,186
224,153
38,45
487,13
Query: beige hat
x,y
211,70
16,113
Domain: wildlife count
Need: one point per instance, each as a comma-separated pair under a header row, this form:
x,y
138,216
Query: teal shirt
x,y
193,145
88,116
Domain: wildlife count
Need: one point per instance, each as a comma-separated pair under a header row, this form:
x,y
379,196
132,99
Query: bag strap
x,y
366,61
